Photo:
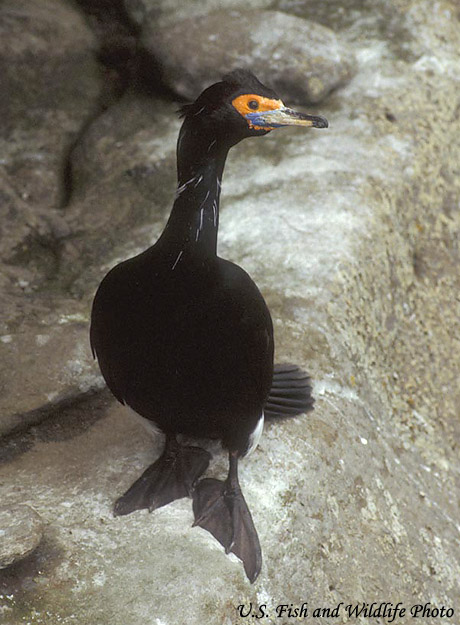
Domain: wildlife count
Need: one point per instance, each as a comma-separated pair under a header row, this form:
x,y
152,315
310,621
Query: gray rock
x,y
52,80
124,177
50,74
45,357
303,60
169,11
21,530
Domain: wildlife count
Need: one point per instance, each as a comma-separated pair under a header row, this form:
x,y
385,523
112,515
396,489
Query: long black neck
x,y
193,223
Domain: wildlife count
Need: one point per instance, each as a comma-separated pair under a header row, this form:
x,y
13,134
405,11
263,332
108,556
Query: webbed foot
x,y
221,509
170,477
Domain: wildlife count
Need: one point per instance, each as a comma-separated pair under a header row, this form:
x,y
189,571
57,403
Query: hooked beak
x,y
285,116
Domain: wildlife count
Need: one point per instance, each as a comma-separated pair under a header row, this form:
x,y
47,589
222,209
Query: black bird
x,y
184,337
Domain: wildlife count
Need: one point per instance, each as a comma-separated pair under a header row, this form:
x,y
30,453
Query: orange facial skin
x,y
246,103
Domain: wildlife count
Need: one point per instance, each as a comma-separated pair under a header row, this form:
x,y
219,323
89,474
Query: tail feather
x,y
290,394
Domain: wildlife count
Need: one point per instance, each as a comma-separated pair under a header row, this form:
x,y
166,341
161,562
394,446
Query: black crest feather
x,y
183,110
240,77
237,81
244,79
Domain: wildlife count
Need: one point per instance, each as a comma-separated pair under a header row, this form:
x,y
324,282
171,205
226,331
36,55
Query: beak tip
x,y
322,122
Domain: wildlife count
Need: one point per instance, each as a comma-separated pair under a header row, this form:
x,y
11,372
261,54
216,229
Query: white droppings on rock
x,y
401,147
99,579
42,339
333,505
369,512
328,385
81,371
73,318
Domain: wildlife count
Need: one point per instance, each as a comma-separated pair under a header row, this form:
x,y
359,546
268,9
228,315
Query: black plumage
x,y
184,337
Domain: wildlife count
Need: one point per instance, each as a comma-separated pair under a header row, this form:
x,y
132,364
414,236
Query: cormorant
x,y
184,337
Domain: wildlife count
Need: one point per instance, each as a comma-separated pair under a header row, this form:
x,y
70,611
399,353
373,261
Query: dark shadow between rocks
x,y
24,578
60,422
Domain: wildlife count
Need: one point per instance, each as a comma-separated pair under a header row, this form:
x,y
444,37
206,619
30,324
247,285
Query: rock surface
x,y
123,177
352,236
170,11
305,66
21,530
50,73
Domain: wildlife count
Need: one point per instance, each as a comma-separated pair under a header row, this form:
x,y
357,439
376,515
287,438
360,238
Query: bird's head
x,y
240,106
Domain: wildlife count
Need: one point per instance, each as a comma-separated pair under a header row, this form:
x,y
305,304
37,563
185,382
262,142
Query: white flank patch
x,y
150,426
254,438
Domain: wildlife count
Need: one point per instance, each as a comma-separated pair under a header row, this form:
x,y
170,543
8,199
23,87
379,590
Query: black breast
x,y
187,343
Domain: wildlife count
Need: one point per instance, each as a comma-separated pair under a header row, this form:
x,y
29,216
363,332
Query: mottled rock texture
x,y
141,11
352,235
52,82
305,66
21,530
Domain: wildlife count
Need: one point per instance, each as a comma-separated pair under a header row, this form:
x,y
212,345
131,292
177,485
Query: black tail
x,y
290,394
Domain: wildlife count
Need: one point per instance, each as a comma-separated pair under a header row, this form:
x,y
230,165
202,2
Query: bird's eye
x,y
253,104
